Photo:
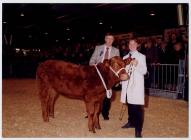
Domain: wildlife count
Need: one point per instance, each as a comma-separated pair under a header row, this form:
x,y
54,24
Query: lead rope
x,y
123,108
108,91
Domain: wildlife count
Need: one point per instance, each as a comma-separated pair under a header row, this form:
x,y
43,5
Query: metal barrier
x,y
166,80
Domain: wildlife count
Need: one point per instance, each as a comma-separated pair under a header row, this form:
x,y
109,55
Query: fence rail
x,y
166,78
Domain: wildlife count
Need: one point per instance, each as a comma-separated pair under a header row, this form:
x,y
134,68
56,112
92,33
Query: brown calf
x,y
78,82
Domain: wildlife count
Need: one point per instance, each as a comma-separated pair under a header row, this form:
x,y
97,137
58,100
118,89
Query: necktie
x,y
106,53
163,50
130,55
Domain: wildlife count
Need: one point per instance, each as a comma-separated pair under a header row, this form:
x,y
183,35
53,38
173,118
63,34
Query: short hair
x,y
178,43
109,34
134,39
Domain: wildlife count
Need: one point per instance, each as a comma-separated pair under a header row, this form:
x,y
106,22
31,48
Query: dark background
x,y
43,24
33,33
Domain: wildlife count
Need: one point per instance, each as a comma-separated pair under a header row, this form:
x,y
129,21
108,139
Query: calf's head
x,y
117,66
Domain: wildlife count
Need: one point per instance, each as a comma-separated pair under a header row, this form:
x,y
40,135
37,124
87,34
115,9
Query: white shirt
x,y
133,53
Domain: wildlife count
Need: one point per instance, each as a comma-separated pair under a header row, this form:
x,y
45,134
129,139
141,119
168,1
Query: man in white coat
x,y
133,89
105,51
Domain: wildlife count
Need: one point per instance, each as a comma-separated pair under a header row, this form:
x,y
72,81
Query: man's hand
x,y
124,77
134,62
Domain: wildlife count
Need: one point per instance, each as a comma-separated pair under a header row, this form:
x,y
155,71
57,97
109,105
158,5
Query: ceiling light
x,y
152,13
100,23
68,29
22,15
68,39
46,33
17,49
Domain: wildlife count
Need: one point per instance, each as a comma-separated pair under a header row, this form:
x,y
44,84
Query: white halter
x,y
108,91
116,73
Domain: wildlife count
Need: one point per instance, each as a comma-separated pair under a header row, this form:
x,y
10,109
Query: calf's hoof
x,y
46,119
51,115
93,131
97,127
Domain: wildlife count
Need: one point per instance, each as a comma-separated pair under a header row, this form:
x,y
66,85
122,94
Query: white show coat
x,y
133,89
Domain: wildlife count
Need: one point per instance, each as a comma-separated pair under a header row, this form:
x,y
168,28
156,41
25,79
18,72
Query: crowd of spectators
x,y
157,51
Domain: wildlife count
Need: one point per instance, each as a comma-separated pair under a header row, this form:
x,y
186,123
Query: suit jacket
x,y
133,89
99,53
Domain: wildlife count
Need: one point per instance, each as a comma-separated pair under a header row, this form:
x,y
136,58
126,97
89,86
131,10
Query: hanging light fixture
x,y
22,15
152,13
100,22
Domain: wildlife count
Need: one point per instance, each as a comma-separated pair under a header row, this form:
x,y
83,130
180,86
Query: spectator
x,y
163,53
151,53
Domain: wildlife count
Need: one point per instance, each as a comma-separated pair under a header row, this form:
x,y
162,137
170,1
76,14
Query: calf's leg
x,y
44,97
96,115
52,100
90,110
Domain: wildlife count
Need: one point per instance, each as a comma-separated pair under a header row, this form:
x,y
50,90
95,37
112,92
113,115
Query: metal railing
x,y
166,78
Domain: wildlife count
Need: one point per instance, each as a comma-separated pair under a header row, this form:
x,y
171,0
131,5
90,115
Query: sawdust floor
x,y
21,114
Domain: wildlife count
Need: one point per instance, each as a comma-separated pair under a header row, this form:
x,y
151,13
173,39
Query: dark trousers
x,y
135,113
106,106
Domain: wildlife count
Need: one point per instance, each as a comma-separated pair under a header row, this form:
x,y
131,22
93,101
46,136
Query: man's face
x,y
163,45
133,45
173,36
149,43
109,40
177,47
159,40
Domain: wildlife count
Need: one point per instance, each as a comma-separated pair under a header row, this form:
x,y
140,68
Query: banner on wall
x,y
153,38
167,33
177,31
126,36
142,39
